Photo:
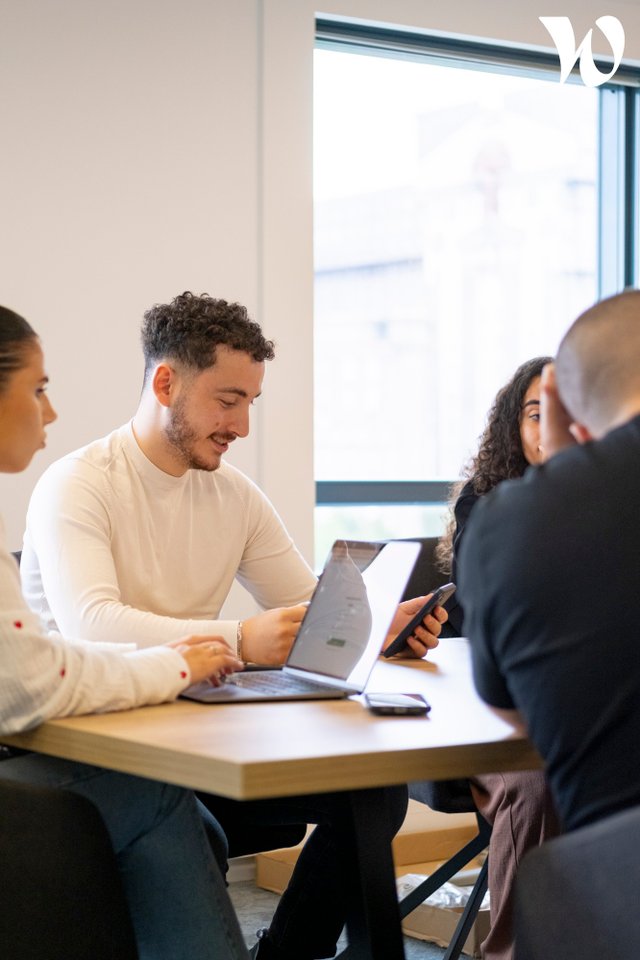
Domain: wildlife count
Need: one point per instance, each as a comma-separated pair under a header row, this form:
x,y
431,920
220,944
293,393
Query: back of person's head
x,y
598,363
16,335
189,328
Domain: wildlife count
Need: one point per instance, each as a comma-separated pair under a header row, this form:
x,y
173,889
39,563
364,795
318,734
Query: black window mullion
x,y
631,159
611,193
363,492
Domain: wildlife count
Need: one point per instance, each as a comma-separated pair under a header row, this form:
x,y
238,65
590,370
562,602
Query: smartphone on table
x,y
397,704
438,597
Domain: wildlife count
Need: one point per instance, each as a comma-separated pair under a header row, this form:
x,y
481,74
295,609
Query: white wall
x,y
153,146
129,173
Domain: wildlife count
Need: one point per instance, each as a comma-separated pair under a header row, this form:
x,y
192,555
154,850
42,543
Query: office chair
x,y
446,796
425,576
576,896
62,897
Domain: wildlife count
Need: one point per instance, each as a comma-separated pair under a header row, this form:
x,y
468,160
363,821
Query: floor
x,y
255,907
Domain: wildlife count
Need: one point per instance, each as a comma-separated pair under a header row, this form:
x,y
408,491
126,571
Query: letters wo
x,y
562,35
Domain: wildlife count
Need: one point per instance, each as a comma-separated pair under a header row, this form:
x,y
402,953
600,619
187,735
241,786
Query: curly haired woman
x,y
509,444
518,805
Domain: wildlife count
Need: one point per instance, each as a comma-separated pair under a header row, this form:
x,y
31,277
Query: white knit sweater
x,y
116,549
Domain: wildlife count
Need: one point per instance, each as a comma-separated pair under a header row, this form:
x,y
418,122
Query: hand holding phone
x,y
397,704
438,597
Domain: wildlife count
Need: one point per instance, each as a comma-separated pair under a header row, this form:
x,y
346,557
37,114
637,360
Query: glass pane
x,y
375,523
455,237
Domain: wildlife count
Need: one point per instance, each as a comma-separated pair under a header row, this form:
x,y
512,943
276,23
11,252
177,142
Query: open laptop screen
x,y
352,608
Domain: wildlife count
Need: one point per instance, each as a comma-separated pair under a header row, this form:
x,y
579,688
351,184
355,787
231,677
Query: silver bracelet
x,y
239,641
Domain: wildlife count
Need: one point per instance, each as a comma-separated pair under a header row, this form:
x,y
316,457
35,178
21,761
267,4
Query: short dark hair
x,y
15,334
189,329
598,361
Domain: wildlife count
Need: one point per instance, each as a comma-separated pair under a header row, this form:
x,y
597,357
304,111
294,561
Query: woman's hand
x,y
424,637
208,658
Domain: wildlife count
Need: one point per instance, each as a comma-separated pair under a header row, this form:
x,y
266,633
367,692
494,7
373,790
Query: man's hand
x,y
268,637
555,421
208,658
425,637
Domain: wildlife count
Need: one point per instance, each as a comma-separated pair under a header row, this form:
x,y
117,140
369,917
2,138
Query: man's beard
x,y
183,438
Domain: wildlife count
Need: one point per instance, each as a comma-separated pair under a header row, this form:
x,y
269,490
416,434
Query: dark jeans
x,y
312,911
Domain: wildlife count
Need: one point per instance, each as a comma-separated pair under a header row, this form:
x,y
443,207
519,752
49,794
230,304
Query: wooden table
x,y
257,750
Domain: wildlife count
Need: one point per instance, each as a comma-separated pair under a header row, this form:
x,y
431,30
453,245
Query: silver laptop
x,y
342,631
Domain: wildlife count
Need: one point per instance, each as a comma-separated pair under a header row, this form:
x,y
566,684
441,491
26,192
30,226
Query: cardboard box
x,y
425,841
437,924
427,835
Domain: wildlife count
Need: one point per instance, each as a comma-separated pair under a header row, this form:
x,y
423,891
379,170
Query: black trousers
x,y
311,913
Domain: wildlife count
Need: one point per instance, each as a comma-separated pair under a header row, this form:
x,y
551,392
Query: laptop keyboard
x,y
275,681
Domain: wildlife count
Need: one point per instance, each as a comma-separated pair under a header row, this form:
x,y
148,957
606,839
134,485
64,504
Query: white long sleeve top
x,y
117,548
45,676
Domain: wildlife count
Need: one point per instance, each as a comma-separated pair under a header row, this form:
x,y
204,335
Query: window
x,y
467,208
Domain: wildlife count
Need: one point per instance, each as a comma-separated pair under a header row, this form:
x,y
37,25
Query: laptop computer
x,y
342,631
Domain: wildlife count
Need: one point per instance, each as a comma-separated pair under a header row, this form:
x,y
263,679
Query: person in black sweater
x,y
517,804
554,628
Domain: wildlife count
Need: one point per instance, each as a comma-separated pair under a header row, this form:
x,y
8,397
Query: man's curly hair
x,y
189,329
500,455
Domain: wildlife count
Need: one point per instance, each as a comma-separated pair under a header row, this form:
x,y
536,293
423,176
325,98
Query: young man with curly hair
x,y
141,534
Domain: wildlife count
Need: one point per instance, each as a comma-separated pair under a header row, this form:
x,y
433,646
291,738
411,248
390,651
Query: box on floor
x,y
437,922
425,841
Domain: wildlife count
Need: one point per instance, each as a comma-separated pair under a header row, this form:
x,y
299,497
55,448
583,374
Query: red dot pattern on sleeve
x,y
183,674
17,624
63,672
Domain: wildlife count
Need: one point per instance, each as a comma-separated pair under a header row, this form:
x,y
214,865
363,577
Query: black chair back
x,y
62,897
425,576
576,895
446,796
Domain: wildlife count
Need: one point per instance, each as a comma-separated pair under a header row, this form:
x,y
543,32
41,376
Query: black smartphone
x,y
397,704
439,596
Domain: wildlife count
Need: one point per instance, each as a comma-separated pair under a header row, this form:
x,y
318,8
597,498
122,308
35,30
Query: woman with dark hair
x,y
509,444
518,805
177,900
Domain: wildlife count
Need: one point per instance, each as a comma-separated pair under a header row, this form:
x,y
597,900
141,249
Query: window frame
x,y
618,254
